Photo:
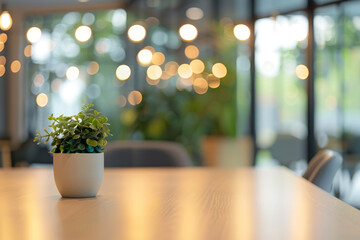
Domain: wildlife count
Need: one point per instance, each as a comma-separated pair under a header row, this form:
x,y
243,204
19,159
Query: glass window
x,y
264,8
281,75
162,87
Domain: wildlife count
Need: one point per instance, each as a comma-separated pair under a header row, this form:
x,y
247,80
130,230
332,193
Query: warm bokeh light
x,y
33,34
2,70
213,81
184,71
191,52
93,68
121,101
302,72
152,49
219,70
3,37
123,72
83,33
171,68
2,60
188,32
15,66
42,100
194,13
27,51
144,57
135,97
200,85
158,58
39,80
5,21
55,85
72,73
136,33
165,75
152,82
154,72
2,45
197,66
242,32
186,82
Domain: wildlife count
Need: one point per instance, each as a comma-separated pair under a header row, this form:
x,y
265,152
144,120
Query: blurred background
x,y
236,82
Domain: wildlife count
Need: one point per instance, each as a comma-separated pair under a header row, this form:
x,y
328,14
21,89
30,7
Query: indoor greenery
x,y
84,132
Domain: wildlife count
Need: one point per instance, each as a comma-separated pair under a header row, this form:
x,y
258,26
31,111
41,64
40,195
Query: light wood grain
x,y
192,203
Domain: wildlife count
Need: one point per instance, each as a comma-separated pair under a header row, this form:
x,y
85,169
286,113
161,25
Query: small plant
x,y
84,132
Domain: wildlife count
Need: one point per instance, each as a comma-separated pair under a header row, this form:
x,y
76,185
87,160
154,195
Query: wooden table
x,y
192,203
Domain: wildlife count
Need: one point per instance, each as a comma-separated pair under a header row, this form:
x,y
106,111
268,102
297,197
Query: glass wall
x,y
281,75
175,82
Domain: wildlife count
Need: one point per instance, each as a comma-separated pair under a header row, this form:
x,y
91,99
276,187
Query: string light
x,y
5,21
242,32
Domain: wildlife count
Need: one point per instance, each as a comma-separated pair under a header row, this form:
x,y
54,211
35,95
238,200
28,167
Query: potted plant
x,y
78,142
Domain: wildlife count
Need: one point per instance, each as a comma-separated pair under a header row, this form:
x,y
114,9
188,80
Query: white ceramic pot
x,y
78,175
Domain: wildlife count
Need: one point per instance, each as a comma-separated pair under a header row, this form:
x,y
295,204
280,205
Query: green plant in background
x,y
84,132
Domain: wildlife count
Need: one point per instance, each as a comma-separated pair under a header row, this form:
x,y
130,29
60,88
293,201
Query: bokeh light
x,y
15,66
219,70
242,32
5,21
83,33
2,60
194,13
200,86
39,80
123,72
3,37
2,70
184,71
27,51
93,68
154,72
197,66
152,82
158,58
191,52
135,97
171,68
213,81
136,33
151,48
188,32
302,72
55,85
2,45
144,57
72,73
33,34
42,100
121,101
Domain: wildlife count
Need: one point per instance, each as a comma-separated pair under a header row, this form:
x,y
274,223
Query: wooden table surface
x,y
187,203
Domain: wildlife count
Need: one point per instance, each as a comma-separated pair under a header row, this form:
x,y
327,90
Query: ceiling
x,y
54,3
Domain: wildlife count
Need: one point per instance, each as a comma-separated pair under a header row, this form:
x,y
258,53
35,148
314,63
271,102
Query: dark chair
x,y
145,154
322,169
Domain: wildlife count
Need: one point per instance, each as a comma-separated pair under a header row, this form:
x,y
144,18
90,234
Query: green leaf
x,y
95,122
96,113
91,142
76,136
81,147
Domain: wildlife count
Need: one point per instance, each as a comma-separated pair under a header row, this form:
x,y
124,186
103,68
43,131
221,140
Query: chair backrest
x,y
145,154
322,169
288,149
